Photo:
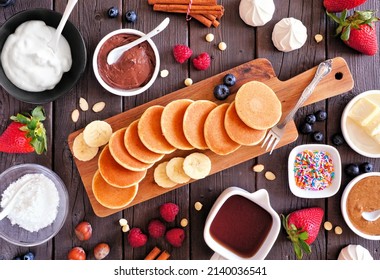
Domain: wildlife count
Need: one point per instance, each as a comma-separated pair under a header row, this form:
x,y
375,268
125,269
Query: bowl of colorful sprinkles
x,y
314,171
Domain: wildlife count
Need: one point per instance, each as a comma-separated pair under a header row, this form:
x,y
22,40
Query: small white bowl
x,y
118,91
261,198
354,135
328,191
343,205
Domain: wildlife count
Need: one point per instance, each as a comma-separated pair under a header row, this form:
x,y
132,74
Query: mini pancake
x,y
238,131
216,136
121,154
194,122
150,132
172,123
257,105
116,175
136,148
109,196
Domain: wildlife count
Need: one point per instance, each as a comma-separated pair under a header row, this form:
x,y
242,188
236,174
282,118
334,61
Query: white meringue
x,y
256,12
354,252
289,34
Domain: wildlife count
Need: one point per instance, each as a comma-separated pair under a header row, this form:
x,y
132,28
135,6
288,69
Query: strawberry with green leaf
x,y
358,31
337,6
25,134
302,227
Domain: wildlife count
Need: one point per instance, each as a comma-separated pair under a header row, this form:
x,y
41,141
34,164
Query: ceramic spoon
x,y
55,39
371,216
11,202
115,54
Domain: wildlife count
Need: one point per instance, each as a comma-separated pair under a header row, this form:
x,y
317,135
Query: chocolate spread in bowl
x,y
133,69
364,196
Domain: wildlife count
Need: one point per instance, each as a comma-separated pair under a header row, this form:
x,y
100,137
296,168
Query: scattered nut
x,y
123,222
318,38
164,73
338,230
125,228
270,175
258,168
83,231
98,107
75,115
76,253
209,37
198,206
188,82
327,225
101,251
222,46
83,104
184,222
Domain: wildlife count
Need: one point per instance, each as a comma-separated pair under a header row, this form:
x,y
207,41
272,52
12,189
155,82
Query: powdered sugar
x,y
37,204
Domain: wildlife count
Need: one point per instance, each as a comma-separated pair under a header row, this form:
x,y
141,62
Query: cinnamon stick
x,y
202,19
216,10
184,2
153,254
163,256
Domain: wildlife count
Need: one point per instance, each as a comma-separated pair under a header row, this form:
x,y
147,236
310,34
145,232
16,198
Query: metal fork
x,y
275,133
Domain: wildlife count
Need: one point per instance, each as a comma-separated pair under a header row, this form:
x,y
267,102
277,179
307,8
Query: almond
x,y
75,115
83,104
98,107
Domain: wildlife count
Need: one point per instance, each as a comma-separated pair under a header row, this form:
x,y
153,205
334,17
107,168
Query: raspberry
x,y
182,53
156,228
202,61
169,211
175,236
136,238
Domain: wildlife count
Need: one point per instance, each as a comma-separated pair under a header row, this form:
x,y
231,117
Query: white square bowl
x,y
328,191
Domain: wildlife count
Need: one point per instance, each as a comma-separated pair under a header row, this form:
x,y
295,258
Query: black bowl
x,y
78,53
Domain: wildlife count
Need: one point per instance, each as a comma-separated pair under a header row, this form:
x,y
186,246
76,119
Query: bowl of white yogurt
x,y
30,70
39,209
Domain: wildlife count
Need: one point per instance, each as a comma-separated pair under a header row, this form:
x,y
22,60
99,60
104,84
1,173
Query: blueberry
x,y
338,139
221,92
306,128
318,136
29,256
131,16
366,167
352,169
311,119
229,80
321,115
113,12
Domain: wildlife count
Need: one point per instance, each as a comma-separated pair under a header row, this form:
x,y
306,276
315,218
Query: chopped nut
x,y
123,222
83,104
270,175
222,46
125,228
184,222
258,168
164,73
198,206
188,82
338,230
318,38
327,225
98,107
209,37
75,115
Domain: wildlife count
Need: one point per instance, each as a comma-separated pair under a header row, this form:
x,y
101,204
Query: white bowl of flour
x,y
40,209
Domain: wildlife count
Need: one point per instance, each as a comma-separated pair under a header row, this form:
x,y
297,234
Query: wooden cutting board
x,y
337,82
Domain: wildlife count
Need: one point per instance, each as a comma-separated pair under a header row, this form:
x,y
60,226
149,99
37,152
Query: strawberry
x,y
334,6
302,227
182,53
358,31
202,61
25,134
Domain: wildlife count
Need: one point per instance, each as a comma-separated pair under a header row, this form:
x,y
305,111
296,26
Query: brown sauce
x,y
241,226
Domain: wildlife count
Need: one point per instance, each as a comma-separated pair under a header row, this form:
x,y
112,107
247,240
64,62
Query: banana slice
x,y
175,172
197,166
97,133
82,151
161,178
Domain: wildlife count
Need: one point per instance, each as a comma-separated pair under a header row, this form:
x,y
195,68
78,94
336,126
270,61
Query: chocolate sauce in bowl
x,y
241,226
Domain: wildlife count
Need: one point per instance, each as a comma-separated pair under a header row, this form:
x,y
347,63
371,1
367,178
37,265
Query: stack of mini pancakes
x,y
182,124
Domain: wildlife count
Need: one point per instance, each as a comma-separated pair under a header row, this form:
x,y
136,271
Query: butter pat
x,y
363,111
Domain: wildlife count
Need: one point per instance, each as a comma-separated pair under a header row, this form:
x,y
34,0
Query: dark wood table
x,y
244,43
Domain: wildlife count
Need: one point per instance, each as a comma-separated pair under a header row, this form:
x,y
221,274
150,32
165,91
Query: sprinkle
x,y
313,170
